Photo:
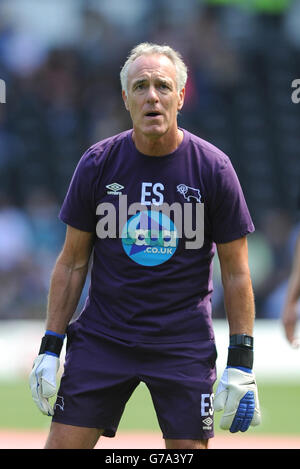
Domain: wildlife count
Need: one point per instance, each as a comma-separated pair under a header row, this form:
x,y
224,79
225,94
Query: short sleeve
x,y
229,215
78,209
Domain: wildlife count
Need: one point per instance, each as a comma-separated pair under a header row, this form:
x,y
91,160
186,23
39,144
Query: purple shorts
x,y
101,372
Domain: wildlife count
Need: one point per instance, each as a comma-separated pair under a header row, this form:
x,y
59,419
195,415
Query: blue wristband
x,y
52,343
61,336
242,368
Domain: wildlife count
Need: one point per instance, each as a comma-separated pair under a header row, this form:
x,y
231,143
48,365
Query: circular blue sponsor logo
x,y
149,238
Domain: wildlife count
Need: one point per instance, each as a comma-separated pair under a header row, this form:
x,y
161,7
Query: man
x,y
148,314
291,307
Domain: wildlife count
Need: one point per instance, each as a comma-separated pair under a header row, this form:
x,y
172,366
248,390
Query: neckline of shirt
x,y
167,157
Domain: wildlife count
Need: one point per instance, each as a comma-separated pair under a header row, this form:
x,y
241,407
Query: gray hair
x,y
148,48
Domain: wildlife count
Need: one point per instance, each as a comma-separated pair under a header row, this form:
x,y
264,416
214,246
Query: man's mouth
x,y
153,114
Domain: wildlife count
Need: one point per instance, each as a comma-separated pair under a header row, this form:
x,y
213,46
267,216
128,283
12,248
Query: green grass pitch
x,y
279,405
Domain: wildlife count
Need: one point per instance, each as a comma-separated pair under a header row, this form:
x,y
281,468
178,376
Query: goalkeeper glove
x,y
236,393
42,379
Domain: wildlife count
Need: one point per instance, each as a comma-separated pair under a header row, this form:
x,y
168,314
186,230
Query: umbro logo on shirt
x,y
114,188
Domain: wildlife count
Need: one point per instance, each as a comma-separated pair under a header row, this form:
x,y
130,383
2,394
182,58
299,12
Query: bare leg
x,y
186,444
70,437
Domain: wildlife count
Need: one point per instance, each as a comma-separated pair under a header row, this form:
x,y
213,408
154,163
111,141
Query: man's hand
x,y
42,381
237,395
289,319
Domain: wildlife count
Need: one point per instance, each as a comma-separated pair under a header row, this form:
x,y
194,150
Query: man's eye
x,y
164,86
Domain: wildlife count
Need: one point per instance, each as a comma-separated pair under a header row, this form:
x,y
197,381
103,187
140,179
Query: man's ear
x,y
181,96
124,96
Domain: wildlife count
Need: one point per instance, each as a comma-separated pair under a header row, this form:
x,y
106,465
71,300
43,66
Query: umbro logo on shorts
x,y
207,423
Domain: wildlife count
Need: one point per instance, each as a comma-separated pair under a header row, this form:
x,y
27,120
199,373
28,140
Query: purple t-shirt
x,y
147,283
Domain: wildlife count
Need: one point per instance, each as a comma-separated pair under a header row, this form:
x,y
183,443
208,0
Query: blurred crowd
x,y
63,94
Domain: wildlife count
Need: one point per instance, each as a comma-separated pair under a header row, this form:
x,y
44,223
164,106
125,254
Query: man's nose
x,y
152,96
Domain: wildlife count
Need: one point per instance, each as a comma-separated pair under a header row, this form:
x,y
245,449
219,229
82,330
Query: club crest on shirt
x,y
189,192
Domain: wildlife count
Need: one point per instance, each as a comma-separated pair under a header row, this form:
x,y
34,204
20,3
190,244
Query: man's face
x,y
153,100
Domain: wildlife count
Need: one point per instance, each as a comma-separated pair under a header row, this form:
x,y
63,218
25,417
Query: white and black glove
x,y
42,379
236,393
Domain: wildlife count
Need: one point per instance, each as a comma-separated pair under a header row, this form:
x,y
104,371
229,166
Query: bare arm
x,y
238,292
289,314
68,279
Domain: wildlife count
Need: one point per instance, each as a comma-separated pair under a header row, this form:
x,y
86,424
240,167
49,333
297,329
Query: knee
x,y
186,444
63,436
